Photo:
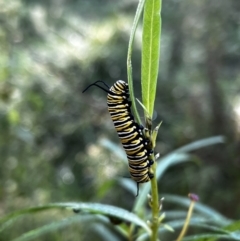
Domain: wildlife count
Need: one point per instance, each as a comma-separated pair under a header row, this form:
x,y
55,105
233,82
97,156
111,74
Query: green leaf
x,y
234,229
201,143
150,52
235,235
233,226
208,237
10,218
106,234
198,222
212,215
53,226
107,210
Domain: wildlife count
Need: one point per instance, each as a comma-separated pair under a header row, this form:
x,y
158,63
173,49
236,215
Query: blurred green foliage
x,y
50,132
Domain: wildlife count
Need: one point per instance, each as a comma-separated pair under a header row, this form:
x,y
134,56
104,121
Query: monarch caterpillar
x,y
134,142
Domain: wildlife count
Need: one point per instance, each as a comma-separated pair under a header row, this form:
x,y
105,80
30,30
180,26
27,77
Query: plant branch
x,y
129,57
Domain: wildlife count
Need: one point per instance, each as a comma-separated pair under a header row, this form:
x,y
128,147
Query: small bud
x,y
169,228
160,219
193,197
149,223
149,197
149,200
161,203
157,156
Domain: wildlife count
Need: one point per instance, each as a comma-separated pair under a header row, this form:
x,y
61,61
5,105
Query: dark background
x,y
50,133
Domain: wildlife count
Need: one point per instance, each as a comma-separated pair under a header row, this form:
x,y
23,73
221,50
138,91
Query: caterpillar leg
x,y
151,175
150,162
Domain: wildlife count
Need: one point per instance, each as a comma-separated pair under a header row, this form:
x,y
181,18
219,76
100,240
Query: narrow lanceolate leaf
x,y
56,225
91,208
150,52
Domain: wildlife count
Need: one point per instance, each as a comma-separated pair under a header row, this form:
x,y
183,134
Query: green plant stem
x,y
185,227
155,204
129,57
